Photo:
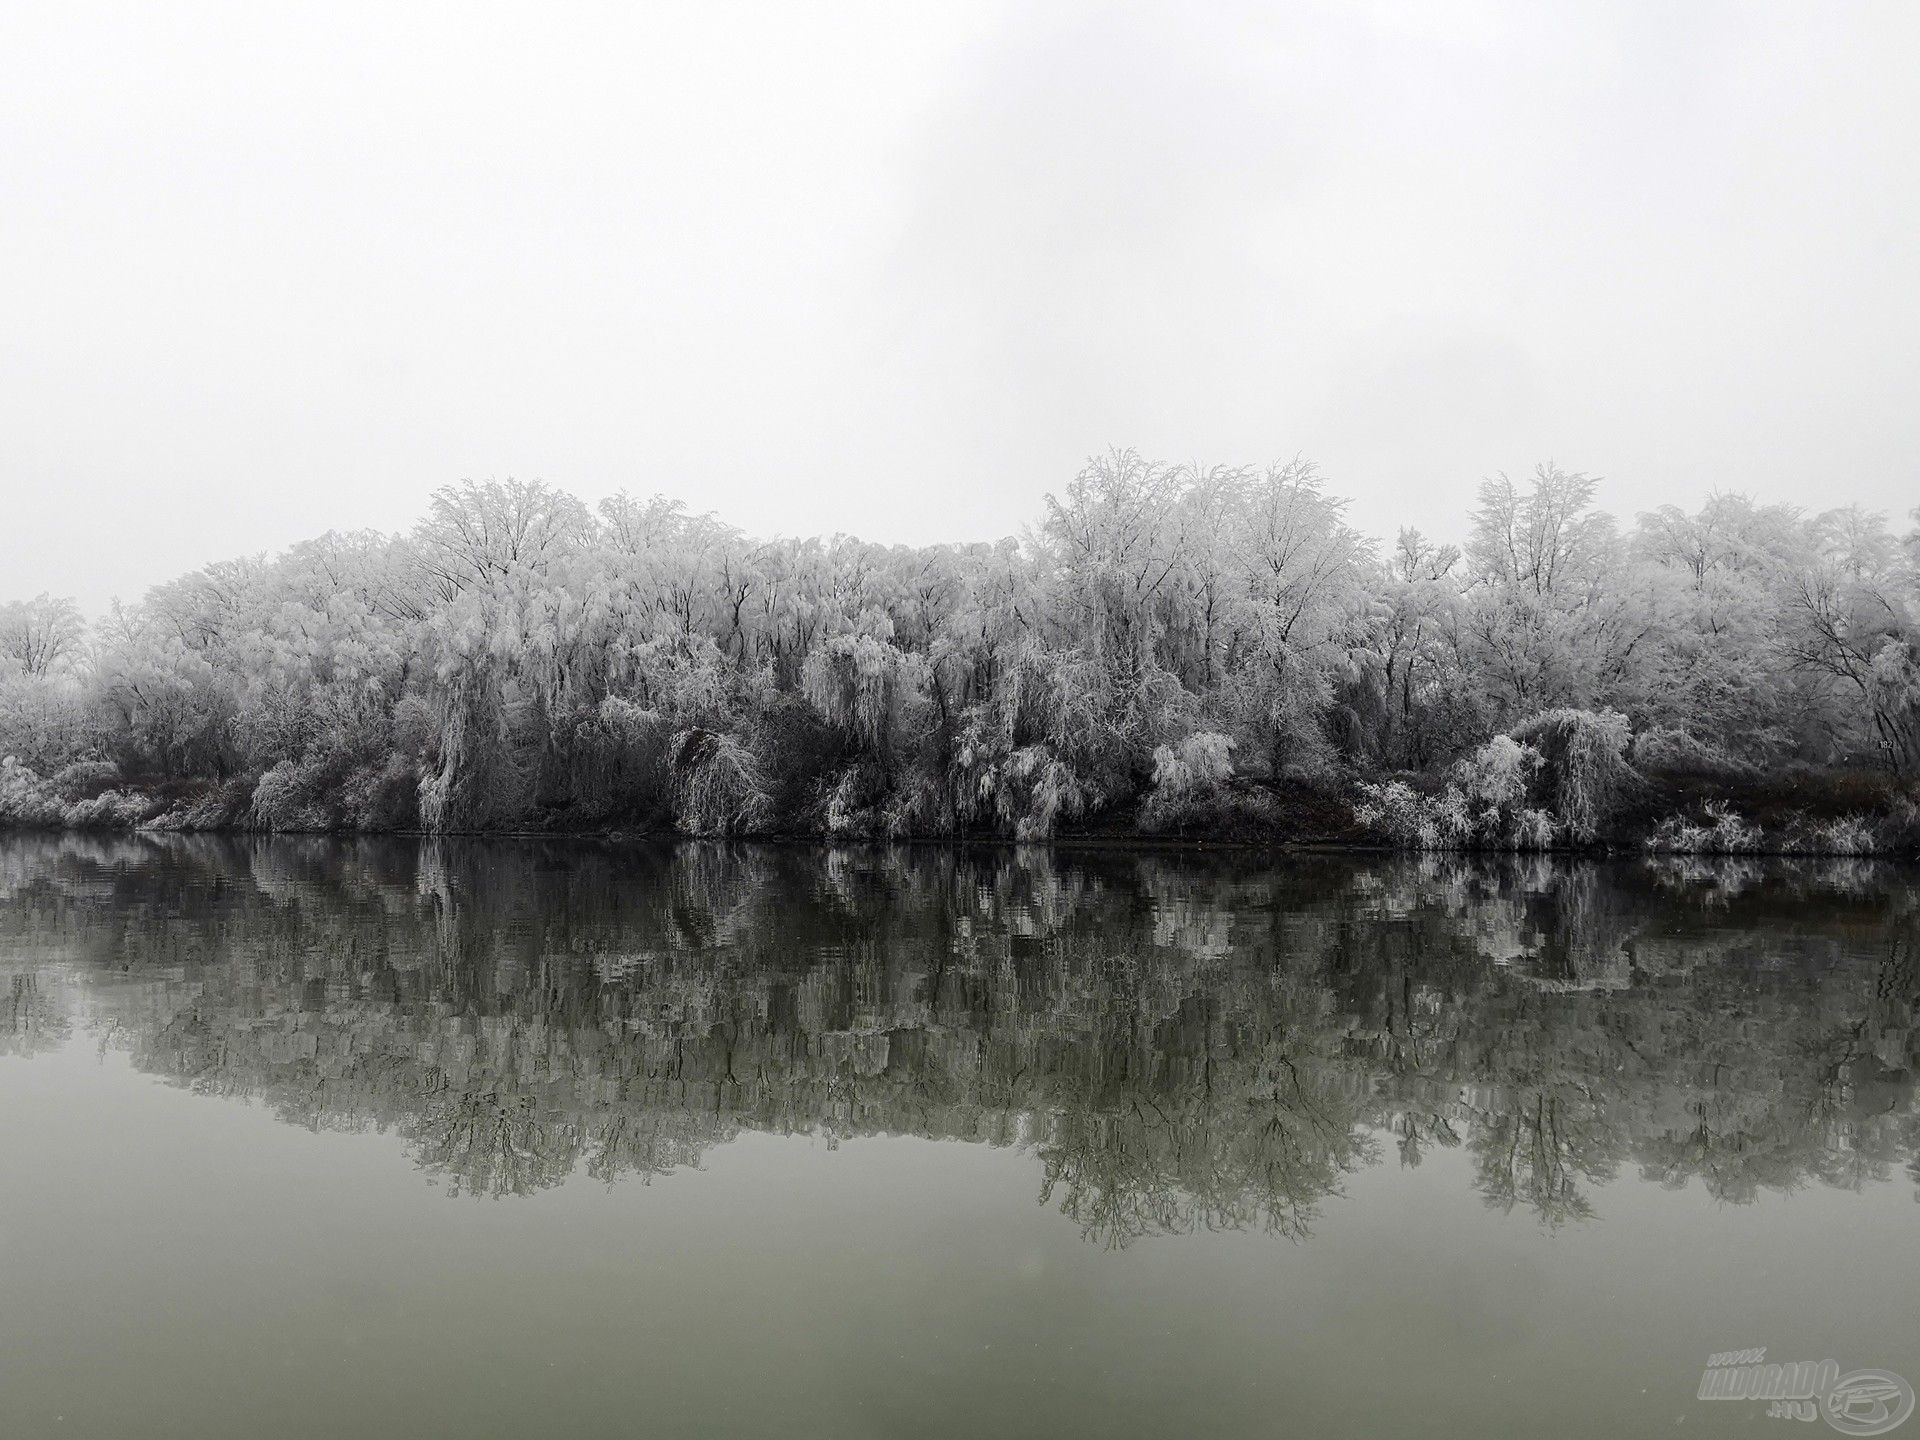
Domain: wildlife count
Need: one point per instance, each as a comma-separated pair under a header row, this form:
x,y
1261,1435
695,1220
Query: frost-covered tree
x,y
1170,646
41,635
1408,694
1852,620
1552,617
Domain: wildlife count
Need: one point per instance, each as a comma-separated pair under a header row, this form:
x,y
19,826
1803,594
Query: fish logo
x,y
1867,1402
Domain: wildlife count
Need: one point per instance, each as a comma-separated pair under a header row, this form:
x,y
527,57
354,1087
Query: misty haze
x,y
847,721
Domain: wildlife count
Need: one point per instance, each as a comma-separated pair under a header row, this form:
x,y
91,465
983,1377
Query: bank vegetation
x,y
1173,652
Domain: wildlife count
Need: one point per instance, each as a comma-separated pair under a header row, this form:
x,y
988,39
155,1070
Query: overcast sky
x,y
896,269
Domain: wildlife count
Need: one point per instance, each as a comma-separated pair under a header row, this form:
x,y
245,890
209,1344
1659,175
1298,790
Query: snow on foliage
x,y
1488,803
1172,644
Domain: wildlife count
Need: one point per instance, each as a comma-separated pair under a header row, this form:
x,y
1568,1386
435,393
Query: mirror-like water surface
x,y
320,1138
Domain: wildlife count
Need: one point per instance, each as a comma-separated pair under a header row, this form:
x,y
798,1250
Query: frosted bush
x,y
27,799
1201,762
1052,790
1678,753
294,795
1583,772
1722,833
865,686
917,807
221,808
482,780
1398,812
1024,792
1485,805
1849,835
377,798
84,777
844,814
24,796
110,810
1194,785
43,720
854,803
1558,776
610,759
1496,777
716,787
1190,777
1532,830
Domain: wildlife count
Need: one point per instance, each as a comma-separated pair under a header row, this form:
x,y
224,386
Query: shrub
x,y
323,792
854,804
1849,835
1194,785
918,805
1486,805
1722,833
796,748
1201,762
299,794
1052,790
1494,781
27,799
224,807
1899,829
608,761
1024,791
381,798
480,780
109,810
1675,752
866,687
716,787
1583,772
44,721
1561,774
1399,813
84,778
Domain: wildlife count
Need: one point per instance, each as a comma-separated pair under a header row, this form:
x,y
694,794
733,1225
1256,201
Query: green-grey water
x,y
321,1138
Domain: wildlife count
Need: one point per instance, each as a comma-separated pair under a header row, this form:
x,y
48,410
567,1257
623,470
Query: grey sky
x,y
267,270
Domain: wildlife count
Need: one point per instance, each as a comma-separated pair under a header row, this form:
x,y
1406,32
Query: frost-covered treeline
x,y
1174,646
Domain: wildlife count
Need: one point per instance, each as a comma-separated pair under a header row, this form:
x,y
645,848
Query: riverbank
x,y
1797,811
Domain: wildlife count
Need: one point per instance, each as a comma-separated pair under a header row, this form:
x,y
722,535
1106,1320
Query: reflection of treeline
x,y
1180,1043
31,1019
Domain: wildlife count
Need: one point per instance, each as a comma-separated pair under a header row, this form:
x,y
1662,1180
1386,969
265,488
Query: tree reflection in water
x,y
1181,1043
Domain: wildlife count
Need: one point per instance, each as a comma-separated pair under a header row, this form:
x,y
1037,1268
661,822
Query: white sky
x,y
270,269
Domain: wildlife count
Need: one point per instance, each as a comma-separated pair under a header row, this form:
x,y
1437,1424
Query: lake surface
x,y
320,1138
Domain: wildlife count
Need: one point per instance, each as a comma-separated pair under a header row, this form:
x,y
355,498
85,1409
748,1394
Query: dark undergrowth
x,y
1797,810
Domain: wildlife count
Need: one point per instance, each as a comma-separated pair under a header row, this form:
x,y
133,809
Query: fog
x,y
897,270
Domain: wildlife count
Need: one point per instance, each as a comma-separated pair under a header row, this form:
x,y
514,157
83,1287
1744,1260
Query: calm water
x,y
472,1139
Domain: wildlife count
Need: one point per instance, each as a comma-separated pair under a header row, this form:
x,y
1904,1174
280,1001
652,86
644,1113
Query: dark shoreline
x,y
1071,844
1798,811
